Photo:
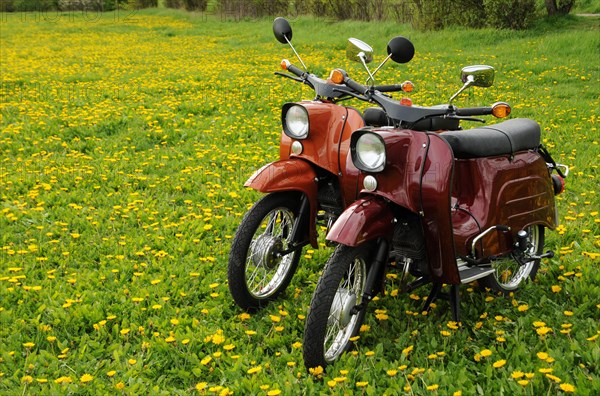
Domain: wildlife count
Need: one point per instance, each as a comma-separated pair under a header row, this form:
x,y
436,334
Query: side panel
x,y
366,219
494,191
289,175
349,179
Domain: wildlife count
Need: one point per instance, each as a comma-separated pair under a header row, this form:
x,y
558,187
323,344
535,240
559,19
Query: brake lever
x,y
290,77
463,118
355,95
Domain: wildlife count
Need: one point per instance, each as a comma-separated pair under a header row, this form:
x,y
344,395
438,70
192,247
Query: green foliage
x,y
510,14
125,146
141,4
252,8
33,5
87,5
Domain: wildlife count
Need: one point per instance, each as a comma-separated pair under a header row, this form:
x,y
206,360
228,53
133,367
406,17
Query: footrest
x,y
469,274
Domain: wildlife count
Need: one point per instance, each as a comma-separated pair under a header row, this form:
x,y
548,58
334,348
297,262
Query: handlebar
x,y
474,111
388,88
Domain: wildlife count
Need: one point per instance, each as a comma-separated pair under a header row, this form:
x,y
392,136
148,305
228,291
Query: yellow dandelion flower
x,y
567,388
499,363
486,353
86,378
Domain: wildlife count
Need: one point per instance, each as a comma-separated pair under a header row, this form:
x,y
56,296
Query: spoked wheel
x,y
257,270
332,320
509,273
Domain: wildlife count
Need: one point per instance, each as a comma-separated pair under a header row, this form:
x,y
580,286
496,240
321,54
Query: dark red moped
x,y
442,208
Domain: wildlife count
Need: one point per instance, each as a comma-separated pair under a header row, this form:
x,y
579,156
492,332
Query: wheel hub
x,y
264,252
341,309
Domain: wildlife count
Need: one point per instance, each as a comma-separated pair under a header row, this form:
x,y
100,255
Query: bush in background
x,y
510,14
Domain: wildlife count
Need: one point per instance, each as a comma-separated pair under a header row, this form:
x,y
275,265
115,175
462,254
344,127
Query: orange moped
x,y
311,183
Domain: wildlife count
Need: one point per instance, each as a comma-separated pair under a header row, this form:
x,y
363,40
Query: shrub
x,y
139,4
34,5
87,5
253,8
509,14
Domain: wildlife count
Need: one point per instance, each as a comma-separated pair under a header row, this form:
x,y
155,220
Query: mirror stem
x,y
297,56
468,83
362,57
382,63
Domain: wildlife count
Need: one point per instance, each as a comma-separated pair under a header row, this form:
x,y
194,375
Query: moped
x,y
442,208
310,184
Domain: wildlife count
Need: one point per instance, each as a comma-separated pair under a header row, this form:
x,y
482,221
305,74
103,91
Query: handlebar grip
x,y
355,85
474,111
295,70
388,88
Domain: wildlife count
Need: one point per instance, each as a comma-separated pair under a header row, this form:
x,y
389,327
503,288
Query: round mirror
x,y
357,47
282,30
401,49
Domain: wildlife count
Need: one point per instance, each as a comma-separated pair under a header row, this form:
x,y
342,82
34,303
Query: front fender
x,y
366,219
289,175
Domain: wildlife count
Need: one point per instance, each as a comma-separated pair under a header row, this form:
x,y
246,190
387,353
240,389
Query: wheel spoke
x,y
265,271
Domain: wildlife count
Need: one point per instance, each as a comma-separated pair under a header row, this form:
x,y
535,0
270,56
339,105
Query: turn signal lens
x,y
501,109
406,102
284,64
407,86
336,76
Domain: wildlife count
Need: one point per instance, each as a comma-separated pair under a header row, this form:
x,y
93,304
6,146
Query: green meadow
x,y
125,140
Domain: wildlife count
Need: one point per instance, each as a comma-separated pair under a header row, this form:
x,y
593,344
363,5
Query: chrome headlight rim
x,y
295,121
368,151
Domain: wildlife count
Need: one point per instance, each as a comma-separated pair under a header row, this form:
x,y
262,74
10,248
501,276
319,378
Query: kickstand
x,y
453,296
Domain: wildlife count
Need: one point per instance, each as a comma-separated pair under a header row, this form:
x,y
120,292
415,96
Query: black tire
x,y
510,274
339,289
256,275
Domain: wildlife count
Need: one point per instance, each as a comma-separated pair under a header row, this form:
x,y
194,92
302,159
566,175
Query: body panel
x,y
366,219
498,191
289,175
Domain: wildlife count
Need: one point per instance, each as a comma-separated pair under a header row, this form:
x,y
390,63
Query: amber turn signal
x,y
406,102
336,76
407,86
284,64
500,109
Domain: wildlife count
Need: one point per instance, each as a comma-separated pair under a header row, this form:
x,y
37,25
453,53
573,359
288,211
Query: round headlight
x,y
370,153
296,122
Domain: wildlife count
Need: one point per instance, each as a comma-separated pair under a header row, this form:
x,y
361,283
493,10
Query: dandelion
x,y
85,378
542,355
407,350
274,392
517,374
316,371
392,373
486,353
362,384
523,382
567,388
556,289
433,387
499,363
255,370
200,386
120,386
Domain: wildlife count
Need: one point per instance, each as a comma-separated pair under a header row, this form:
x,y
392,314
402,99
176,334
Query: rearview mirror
x,y
282,30
359,51
478,75
400,49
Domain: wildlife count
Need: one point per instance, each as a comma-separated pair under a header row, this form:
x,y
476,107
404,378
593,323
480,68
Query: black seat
x,y
505,138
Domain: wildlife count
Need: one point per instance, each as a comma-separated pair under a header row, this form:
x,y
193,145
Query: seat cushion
x,y
505,138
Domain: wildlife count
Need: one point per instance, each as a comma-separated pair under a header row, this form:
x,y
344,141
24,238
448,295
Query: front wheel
x,y
510,273
332,320
257,271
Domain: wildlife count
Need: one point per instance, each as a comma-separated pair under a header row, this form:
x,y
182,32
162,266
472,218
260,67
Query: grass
x,y
125,142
